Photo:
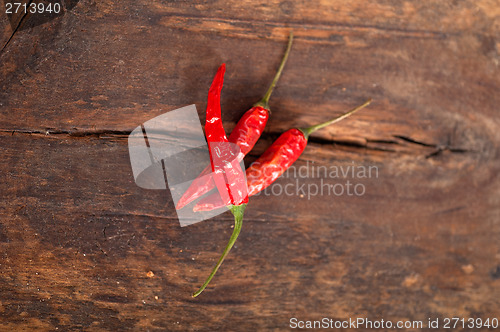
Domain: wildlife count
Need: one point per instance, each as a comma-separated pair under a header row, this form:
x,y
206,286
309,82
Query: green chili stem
x,y
310,130
264,102
237,211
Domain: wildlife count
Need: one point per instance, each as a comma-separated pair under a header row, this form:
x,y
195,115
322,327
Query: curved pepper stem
x,y
237,211
264,102
310,130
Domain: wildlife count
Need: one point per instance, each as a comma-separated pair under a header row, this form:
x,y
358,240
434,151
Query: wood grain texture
x,y
83,248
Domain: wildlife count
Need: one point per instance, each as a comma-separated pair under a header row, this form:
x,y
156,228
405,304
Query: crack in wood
x,y
439,149
414,141
121,134
70,133
21,21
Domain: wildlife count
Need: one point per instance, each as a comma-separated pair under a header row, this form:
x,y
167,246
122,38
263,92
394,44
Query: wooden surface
x,y
83,248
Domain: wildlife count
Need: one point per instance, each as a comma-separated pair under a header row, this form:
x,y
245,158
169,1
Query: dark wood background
x,y
82,247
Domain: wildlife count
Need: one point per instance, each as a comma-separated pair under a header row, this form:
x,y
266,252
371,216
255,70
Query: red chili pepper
x,y
245,134
274,161
227,173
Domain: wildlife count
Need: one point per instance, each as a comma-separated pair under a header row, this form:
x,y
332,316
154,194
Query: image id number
x,y
32,8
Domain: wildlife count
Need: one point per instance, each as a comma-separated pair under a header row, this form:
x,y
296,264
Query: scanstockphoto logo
x,y
170,151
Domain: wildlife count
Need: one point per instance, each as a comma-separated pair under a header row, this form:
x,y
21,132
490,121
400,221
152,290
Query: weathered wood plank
x,y
115,83
77,233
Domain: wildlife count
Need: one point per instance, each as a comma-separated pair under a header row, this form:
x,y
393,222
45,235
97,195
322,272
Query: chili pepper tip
x,y
264,102
308,131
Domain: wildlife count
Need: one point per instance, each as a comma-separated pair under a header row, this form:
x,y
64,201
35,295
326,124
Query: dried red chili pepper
x,y
245,134
274,161
227,173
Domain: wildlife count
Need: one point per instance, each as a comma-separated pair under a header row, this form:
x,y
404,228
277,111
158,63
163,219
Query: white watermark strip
x,y
365,323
